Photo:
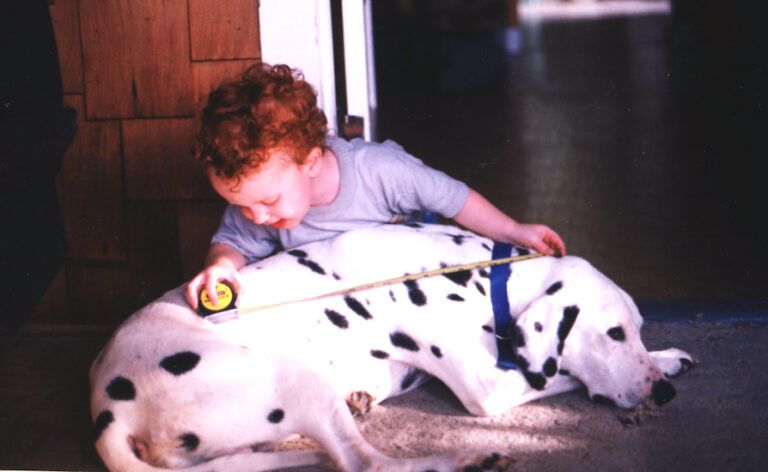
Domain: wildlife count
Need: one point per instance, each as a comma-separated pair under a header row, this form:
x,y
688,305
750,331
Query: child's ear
x,y
312,161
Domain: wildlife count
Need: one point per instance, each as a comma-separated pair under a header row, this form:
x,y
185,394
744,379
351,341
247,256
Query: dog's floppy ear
x,y
538,338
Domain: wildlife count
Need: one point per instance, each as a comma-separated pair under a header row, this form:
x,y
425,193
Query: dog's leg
x,y
469,368
327,419
491,391
673,361
117,451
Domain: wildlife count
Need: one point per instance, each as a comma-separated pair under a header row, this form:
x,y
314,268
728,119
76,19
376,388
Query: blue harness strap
x,y
502,319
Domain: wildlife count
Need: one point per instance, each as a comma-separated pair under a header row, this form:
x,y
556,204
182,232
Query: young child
x,y
267,152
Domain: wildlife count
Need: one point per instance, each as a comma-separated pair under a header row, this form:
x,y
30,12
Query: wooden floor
x,y
642,142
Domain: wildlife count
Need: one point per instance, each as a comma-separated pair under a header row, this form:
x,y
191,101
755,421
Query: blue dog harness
x,y
502,318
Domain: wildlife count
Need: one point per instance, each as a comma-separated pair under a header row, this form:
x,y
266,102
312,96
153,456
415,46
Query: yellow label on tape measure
x,y
225,295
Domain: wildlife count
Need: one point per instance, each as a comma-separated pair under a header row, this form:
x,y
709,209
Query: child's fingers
x,y
210,287
555,244
189,295
191,292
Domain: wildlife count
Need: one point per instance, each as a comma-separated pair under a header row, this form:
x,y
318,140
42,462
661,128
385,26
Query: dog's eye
x,y
617,333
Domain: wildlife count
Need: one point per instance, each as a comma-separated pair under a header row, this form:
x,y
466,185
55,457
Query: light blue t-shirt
x,y
379,183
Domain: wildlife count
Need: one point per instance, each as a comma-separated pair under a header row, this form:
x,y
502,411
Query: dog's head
x,y
604,351
583,325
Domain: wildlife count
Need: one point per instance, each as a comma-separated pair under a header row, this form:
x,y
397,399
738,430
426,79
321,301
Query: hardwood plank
x,y
159,161
90,187
197,223
224,29
136,57
66,27
103,295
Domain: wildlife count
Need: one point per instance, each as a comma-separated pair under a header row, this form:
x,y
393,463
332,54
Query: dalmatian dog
x,y
174,390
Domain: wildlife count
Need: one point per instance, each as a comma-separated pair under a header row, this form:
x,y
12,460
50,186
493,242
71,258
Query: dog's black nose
x,y
662,392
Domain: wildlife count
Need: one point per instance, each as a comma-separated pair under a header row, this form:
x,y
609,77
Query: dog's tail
x,y
117,447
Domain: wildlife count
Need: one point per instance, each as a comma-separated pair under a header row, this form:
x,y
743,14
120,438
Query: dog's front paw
x,y
360,403
673,361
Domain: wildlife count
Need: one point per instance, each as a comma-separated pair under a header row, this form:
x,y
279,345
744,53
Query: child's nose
x,y
258,214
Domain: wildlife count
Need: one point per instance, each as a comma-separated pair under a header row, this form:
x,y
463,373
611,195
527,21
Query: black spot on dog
x,y
409,379
379,354
313,266
455,297
101,423
566,323
392,296
487,247
480,288
522,362
517,336
357,307
487,329
484,273
538,327
460,277
276,416
337,318
567,373
403,341
180,363
415,294
617,333
553,289
550,367
536,381
336,276
436,351
121,388
297,253
603,400
414,225
458,239
189,441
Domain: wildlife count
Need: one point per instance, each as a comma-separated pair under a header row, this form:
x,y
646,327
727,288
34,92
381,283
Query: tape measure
x,y
226,311
226,295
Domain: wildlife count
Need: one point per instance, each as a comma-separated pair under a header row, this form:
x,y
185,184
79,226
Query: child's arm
x,y
480,216
221,263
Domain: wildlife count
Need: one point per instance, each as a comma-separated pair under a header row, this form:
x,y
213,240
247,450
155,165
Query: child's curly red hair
x,y
266,108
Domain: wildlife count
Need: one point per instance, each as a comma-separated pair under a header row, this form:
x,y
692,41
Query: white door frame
x,y
299,33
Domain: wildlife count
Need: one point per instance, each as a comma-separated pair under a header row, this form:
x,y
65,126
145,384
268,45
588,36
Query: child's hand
x,y
480,216
222,263
539,237
207,280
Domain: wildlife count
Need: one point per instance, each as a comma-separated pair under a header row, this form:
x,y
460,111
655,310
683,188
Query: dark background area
x,y
641,138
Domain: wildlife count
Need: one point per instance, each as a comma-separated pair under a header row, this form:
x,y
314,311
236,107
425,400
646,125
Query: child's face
x,y
278,195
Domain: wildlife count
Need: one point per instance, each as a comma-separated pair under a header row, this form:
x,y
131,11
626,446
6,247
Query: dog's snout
x,y
662,392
